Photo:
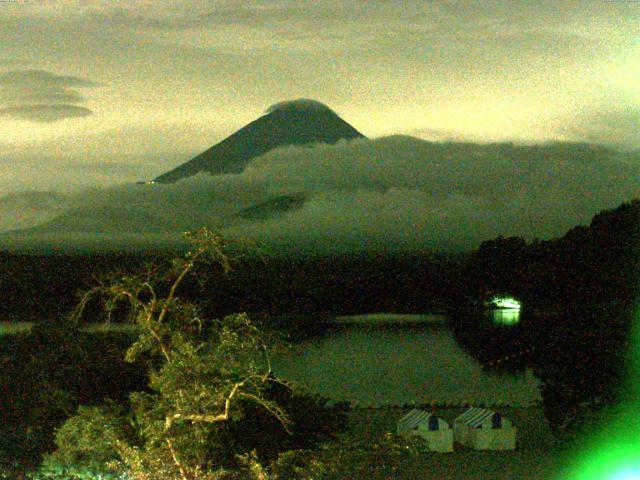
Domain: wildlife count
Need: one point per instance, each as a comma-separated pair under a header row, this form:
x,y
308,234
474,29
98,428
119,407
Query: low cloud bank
x,y
28,209
391,193
615,127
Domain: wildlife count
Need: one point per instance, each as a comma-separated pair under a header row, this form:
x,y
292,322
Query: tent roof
x,y
413,418
474,417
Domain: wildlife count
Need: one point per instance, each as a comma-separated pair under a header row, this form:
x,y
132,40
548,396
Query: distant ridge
x,y
100,220
272,207
296,122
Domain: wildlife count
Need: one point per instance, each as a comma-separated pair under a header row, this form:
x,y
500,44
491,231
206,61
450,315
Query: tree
x,y
496,267
203,376
583,349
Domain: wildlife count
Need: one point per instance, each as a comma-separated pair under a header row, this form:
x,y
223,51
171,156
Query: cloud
x,y
11,61
617,127
41,96
401,192
192,14
298,104
45,113
42,79
28,209
392,193
18,96
90,158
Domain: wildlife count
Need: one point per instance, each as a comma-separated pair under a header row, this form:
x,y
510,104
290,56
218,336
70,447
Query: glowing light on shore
x,y
506,302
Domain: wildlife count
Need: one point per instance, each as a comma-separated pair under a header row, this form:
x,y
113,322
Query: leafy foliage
x,y
203,375
212,406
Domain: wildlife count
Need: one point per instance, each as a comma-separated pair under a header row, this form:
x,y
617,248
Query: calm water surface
x,y
14,327
394,361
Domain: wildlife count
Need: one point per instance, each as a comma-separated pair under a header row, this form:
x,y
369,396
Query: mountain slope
x,y
272,207
298,122
27,209
101,220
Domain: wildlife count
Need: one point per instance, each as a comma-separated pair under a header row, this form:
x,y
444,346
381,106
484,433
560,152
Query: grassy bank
x,y
370,450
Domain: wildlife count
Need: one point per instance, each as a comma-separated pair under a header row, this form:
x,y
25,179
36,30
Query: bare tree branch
x,y
278,413
183,473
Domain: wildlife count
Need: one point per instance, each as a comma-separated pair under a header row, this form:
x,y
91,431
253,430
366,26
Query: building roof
x,y
418,417
412,419
474,417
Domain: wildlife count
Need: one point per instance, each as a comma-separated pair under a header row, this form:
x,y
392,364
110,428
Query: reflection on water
x,y
399,363
505,316
378,362
14,327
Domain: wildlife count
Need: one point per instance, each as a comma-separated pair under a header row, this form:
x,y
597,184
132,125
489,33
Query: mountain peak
x,y
299,105
293,122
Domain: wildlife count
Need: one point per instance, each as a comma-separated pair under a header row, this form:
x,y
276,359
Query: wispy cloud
x,y
41,96
45,113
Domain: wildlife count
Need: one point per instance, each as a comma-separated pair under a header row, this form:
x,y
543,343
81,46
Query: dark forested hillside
x,y
579,294
46,286
592,264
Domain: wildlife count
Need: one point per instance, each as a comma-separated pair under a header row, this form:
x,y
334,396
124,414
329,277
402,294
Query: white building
x,y
435,431
484,430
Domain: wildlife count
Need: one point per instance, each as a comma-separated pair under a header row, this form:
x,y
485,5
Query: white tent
x,y
434,430
484,430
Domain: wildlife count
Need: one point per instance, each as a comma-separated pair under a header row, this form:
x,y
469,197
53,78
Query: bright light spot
x,y
610,455
632,473
614,452
505,302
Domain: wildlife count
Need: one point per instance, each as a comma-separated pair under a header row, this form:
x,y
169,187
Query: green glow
x,y
614,452
505,302
627,474
507,316
612,455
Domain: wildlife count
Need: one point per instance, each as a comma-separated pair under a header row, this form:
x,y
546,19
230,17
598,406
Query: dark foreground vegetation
x,y
580,295
181,396
55,369
46,374
578,291
46,286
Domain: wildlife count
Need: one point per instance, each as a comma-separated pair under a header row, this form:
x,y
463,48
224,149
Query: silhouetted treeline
x,y
340,284
592,264
38,287
46,374
579,293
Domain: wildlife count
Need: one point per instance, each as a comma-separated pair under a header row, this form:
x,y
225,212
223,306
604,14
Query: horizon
x,y
116,93
95,97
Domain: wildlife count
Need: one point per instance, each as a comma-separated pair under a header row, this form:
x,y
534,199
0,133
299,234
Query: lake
x,y
382,359
396,360
14,327
7,327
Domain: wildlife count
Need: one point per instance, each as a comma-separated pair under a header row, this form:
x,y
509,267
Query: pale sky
x,y
105,91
